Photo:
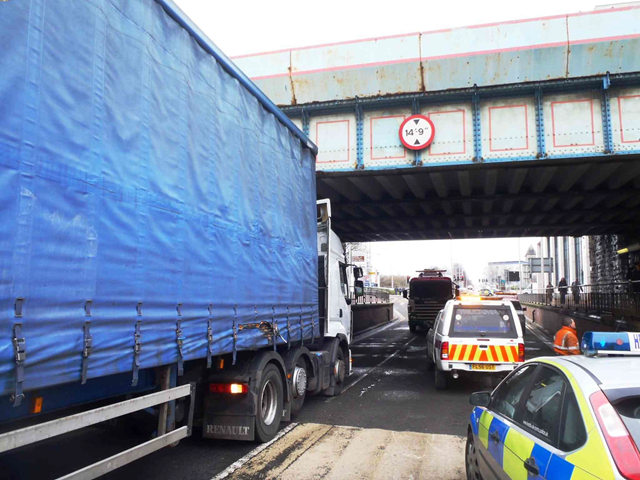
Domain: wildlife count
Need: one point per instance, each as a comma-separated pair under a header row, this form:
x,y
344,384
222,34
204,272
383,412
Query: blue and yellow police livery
x,y
563,418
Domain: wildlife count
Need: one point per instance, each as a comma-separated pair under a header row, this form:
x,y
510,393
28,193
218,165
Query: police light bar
x,y
607,343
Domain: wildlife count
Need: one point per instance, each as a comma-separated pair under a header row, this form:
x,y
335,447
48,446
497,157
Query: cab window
x,y
343,279
572,431
506,398
543,407
483,321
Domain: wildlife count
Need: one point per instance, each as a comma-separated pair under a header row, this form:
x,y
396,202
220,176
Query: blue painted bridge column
x,y
606,115
542,148
477,130
416,111
359,136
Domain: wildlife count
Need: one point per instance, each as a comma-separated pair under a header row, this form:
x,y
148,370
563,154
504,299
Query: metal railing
x,y
371,295
621,298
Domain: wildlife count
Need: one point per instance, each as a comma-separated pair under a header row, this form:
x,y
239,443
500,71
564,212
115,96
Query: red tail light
x,y
229,388
521,352
623,449
444,351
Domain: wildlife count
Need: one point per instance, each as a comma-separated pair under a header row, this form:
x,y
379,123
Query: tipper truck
x,y
161,248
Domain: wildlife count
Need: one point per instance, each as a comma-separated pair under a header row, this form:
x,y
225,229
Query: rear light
x,y
444,351
623,450
234,388
521,352
36,405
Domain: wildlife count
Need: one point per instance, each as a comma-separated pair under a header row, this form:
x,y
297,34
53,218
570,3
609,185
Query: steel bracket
x,y
415,105
137,347
235,333
542,148
359,135
606,115
306,121
301,328
179,343
20,356
288,330
477,131
86,351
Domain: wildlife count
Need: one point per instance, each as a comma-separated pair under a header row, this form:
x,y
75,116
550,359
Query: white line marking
x,y
238,464
371,370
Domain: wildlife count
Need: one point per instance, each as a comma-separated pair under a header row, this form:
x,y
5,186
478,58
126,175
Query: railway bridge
x,y
536,127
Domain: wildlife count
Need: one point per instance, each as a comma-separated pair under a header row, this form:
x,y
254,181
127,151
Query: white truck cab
x,y
474,337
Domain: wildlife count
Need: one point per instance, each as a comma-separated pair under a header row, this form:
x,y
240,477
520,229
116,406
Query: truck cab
x,y
428,294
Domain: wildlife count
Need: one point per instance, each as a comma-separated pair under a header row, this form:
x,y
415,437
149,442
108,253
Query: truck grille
x,y
427,311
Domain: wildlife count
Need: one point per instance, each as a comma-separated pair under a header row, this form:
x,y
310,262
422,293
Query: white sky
x,y
241,27
404,258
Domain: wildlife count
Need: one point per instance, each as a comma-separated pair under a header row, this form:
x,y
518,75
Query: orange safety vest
x,y
566,342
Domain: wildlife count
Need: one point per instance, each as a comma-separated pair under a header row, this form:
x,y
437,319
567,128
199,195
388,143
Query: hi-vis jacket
x,y
566,342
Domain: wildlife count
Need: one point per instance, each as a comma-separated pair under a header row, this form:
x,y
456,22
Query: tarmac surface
x,y
388,414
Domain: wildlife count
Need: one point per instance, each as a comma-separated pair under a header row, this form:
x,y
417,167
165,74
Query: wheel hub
x,y
299,381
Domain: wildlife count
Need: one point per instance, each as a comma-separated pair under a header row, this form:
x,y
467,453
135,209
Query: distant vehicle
x,y
428,293
474,337
486,292
562,417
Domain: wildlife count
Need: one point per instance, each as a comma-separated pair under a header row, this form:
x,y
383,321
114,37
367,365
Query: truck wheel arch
x,y
260,362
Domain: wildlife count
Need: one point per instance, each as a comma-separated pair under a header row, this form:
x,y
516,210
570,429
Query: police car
x,y
572,417
474,336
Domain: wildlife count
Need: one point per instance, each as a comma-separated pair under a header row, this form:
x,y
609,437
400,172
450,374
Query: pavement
x,y
389,422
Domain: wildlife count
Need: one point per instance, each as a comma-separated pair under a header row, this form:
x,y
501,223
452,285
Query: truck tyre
x,y
298,384
441,380
413,328
337,367
270,402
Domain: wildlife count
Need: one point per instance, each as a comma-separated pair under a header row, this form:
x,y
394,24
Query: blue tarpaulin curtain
x,y
133,168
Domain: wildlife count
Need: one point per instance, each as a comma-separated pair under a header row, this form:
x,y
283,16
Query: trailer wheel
x,y
441,380
270,402
298,386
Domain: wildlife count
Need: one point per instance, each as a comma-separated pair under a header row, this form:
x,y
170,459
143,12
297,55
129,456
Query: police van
x,y
474,336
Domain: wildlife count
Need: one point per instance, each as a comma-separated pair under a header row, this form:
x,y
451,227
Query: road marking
x,y
371,370
539,336
373,332
240,463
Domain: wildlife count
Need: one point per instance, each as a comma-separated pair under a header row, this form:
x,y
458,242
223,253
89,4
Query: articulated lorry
x,y
428,294
162,251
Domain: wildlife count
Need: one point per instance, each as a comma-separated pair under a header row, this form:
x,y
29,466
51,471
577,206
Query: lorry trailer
x,y
161,250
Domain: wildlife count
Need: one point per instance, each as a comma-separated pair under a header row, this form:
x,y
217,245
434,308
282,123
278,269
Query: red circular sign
x,y
417,132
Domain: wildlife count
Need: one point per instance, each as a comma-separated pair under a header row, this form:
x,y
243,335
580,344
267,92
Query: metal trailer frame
x,y
35,433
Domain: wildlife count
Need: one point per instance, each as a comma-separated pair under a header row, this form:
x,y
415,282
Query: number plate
x,y
482,366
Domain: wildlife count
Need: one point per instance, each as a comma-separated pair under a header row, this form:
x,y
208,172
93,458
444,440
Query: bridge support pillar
x,y
477,130
606,115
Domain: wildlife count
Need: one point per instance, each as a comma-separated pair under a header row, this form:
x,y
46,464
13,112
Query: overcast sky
x,y
241,27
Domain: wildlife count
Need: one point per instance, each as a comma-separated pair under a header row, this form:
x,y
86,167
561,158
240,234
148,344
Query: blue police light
x,y
603,343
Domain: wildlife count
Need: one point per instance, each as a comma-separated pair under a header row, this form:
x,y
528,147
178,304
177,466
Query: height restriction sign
x,y
417,132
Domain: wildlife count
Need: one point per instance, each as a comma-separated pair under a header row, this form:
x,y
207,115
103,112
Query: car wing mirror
x,y
480,399
524,309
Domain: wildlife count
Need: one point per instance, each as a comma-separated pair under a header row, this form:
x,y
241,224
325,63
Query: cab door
x,y
498,420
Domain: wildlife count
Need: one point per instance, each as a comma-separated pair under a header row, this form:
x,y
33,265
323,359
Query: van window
x,y
484,321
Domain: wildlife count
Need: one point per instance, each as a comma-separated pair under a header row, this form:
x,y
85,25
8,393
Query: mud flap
x,y
229,427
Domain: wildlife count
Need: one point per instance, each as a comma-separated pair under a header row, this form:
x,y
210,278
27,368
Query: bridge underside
x,y
582,196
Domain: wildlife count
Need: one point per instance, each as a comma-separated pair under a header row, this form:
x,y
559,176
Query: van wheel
x,y
298,385
270,402
441,380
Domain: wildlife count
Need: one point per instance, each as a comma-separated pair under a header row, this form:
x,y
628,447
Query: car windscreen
x,y
629,411
483,321
431,290
516,305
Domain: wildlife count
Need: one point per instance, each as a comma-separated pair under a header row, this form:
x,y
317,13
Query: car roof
x,y
480,303
608,371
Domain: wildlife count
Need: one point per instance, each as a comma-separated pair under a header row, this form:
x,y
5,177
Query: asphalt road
x,y
390,389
